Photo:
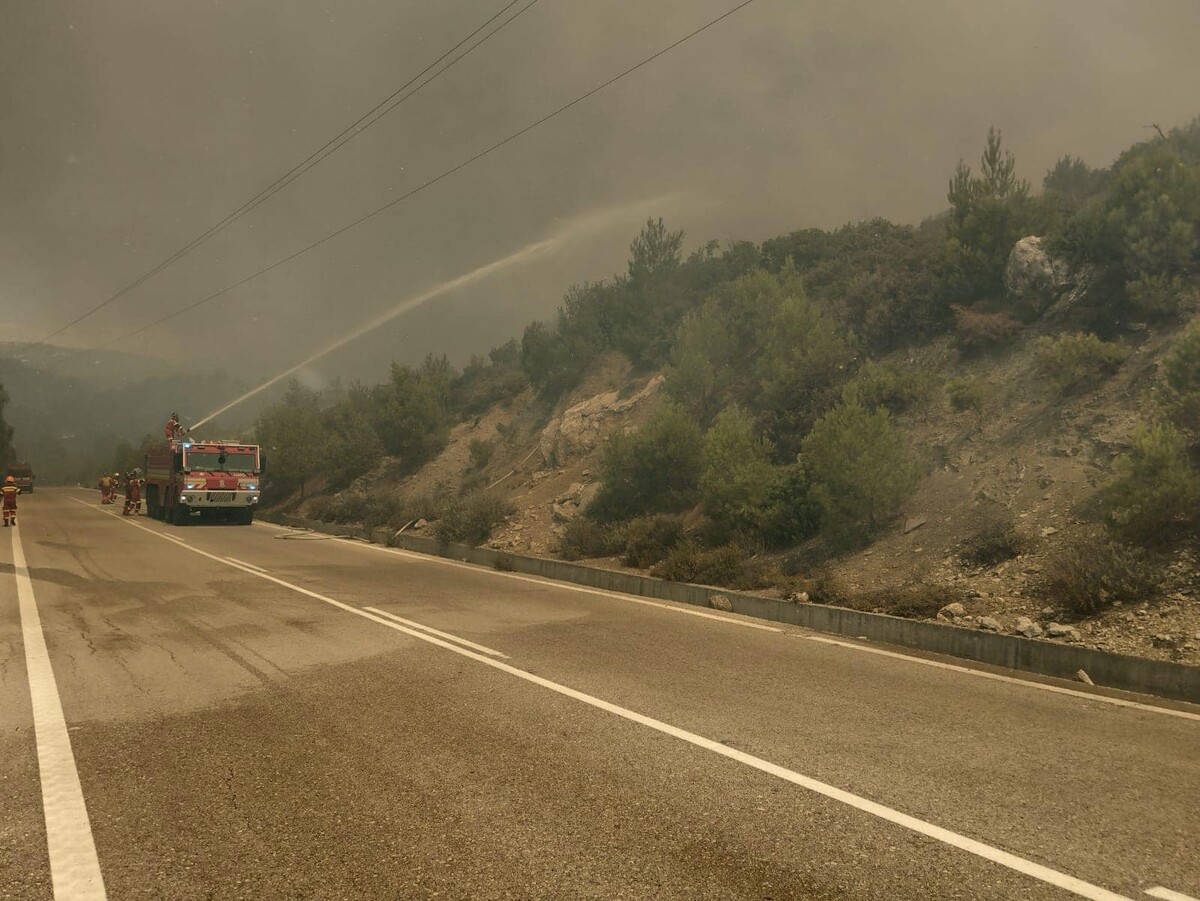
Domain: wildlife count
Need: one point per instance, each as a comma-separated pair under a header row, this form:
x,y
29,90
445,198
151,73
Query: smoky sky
x,y
126,128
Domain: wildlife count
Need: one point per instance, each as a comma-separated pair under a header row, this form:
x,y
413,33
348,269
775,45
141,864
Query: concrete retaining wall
x,y
1156,677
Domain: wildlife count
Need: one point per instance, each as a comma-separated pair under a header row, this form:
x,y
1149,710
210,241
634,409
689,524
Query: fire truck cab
x,y
187,479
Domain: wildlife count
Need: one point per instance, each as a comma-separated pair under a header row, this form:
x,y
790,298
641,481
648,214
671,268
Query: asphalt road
x,y
242,726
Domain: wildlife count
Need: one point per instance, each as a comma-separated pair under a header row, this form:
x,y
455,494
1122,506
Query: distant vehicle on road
x,y
22,474
188,479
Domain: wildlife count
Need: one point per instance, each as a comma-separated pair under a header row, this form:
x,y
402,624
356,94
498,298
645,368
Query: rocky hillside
x,y
1034,458
991,419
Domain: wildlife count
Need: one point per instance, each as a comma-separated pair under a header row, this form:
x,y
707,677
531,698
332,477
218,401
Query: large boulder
x,y
1034,279
580,428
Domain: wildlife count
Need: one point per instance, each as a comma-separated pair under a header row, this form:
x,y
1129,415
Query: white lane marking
x,y
1013,680
74,866
971,846
937,664
408,622
1167,895
550,583
244,563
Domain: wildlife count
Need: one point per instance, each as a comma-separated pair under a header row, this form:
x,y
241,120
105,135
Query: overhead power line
x,y
348,134
432,181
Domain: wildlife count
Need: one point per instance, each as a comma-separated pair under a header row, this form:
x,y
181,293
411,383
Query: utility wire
x,y
431,182
331,146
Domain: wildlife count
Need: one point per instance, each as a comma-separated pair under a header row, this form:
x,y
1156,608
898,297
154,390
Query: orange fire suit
x,y
10,504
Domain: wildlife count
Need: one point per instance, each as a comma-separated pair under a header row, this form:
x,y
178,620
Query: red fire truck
x,y
188,479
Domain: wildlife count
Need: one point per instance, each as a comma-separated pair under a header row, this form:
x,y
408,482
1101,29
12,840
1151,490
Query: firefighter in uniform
x,y
10,501
106,488
109,495
133,493
174,428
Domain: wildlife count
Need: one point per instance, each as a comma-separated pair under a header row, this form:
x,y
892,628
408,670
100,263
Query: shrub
x,y
323,509
1140,234
584,537
369,510
349,506
481,452
728,566
472,482
1156,296
352,448
507,431
738,479
890,386
1179,394
1079,361
793,511
656,468
993,540
967,393
427,505
411,412
861,472
826,588
977,330
648,539
1090,574
1156,489
759,341
383,510
471,519
875,276
916,598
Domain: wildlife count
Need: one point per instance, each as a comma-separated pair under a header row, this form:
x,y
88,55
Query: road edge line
x,y
679,607
71,848
806,632
1011,861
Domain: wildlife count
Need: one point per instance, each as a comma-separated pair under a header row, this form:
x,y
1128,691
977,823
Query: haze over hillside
x,y
788,114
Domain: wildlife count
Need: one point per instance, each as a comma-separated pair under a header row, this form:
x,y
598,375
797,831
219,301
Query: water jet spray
x,y
578,228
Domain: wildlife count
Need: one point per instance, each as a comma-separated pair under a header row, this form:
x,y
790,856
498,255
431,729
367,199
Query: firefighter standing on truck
x,y
133,493
174,428
10,501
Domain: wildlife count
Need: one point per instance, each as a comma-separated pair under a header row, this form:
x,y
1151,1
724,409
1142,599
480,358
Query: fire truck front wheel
x,y
179,514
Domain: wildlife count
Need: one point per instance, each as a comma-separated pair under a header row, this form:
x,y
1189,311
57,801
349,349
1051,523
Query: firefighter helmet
x,y
9,480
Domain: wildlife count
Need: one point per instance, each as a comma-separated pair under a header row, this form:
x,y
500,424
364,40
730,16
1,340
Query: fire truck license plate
x,y
220,497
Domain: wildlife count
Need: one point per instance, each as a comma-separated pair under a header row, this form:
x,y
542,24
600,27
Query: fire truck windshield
x,y
215,461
